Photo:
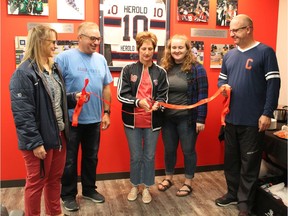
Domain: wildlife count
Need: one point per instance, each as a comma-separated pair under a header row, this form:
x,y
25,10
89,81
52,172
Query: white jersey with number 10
x,y
123,19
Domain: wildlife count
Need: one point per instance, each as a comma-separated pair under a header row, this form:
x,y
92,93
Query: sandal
x,y
187,192
165,187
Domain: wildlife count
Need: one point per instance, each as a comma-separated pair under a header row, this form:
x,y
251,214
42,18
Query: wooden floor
x,y
207,186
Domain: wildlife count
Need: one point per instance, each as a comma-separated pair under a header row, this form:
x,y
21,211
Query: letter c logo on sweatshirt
x,y
248,65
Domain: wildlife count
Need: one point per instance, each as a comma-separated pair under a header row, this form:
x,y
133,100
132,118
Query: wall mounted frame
x,y
121,20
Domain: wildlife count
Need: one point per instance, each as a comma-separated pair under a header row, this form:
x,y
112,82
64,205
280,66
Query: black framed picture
x,y
121,20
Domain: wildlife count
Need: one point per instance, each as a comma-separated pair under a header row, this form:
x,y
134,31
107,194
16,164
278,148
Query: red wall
x,y
114,154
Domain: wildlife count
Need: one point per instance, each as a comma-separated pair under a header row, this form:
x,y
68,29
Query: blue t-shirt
x,y
254,77
77,66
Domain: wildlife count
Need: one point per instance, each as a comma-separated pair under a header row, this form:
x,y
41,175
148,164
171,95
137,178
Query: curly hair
x,y
167,62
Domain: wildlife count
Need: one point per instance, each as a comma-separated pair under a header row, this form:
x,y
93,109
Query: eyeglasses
x,y
52,41
92,38
234,31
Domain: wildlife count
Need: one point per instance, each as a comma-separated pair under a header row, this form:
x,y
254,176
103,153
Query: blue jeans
x,y
173,130
142,145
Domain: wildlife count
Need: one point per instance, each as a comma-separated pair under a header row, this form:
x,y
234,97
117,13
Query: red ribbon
x,y
203,101
226,104
84,98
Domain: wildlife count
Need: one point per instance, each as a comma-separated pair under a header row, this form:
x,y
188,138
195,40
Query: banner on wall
x,y
123,19
28,7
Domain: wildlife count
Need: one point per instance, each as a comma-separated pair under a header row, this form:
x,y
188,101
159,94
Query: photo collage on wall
x,y
198,11
21,41
193,10
217,52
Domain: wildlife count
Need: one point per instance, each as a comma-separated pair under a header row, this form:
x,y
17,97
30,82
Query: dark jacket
x,y
128,87
33,109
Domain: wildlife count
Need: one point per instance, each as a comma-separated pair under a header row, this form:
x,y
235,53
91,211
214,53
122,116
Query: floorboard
x,y
207,186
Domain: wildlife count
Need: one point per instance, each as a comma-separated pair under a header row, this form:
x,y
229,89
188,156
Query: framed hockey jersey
x,y
121,20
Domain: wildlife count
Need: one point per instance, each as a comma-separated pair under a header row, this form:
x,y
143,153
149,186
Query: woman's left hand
x,y
199,127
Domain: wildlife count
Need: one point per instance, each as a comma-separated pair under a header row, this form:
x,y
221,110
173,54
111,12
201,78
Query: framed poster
x,y
121,20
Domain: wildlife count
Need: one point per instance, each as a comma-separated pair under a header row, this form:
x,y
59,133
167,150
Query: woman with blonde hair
x,y
187,85
39,105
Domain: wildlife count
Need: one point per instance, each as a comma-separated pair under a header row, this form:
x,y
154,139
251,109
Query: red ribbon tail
x,y
84,98
226,109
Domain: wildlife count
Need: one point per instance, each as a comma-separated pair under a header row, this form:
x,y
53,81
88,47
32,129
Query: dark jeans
x,y
173,130
243,154
89,137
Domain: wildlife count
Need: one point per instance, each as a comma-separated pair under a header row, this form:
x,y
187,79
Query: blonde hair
x,y
141,37
167,61
86,25
35,44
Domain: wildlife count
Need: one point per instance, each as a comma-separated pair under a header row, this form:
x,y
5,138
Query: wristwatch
x,y
107,111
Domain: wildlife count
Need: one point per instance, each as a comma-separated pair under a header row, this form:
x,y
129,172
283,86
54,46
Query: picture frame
x,y
217,52
121,20
28,7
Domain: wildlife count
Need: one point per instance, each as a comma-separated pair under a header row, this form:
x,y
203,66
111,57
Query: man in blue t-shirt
x,y
76,66
251,70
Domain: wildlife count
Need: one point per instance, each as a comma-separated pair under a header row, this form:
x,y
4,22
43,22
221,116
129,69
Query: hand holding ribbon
x,y
225,90
84,98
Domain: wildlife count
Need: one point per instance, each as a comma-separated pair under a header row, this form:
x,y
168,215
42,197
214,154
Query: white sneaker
x,y
133,194
146,196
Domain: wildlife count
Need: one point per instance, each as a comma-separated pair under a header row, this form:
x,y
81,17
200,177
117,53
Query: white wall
x,y
282,50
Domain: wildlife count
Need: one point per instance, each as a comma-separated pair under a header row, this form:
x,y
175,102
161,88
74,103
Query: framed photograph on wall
x,y
193,11
226,10
71,9
28,7
217,52
198,50
121,20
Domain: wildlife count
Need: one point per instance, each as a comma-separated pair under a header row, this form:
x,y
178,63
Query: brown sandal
x,y
187,192
165,187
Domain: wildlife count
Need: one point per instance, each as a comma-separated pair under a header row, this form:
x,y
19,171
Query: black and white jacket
x,y
128,85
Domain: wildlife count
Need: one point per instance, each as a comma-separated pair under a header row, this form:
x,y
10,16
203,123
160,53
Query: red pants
x,y
54,165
